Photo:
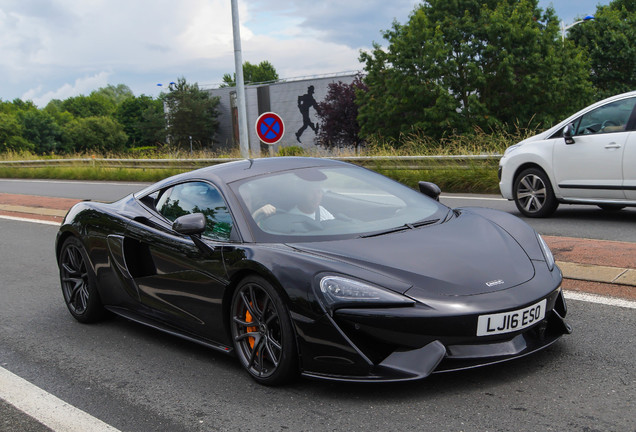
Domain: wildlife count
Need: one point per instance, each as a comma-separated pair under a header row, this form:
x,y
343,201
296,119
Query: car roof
x,y
229,172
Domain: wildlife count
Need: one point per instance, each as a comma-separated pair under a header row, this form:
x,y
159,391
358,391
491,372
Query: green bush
x,y
291,151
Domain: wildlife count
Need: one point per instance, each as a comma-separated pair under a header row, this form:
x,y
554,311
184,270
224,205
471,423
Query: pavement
x,y
591,266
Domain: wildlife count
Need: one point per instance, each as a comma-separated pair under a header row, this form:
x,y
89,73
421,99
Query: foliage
x,y
338,115
262,72
143,120
98,134
291,151
466,64
96,104
40,129
11,134
117,94
191,115
610,41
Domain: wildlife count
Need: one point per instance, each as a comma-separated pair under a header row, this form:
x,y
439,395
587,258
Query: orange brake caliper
x,y
249,319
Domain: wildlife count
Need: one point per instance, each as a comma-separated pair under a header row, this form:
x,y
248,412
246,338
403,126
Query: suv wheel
x,y
533,194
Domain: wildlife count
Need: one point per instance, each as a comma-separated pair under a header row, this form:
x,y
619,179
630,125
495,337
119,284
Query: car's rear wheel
x,y
77,280
262,332
533,194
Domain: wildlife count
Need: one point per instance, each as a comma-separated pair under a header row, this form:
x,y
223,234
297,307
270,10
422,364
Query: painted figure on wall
x,y
305,102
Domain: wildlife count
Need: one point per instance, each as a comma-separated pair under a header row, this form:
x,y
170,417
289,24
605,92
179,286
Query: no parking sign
x,y
270,128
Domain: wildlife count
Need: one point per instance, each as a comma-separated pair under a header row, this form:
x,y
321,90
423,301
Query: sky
x,y
55,49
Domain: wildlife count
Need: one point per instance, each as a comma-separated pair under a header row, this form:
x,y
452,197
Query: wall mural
x,y
296,102
305,102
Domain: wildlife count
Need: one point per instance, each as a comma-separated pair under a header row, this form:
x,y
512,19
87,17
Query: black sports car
x,y
314,266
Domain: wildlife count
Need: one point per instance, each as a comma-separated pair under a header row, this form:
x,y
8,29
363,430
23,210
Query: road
x,y
136,379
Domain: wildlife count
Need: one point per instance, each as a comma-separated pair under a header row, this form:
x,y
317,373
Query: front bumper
x,y
407,343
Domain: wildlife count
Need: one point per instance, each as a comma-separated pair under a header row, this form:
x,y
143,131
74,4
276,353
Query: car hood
x,y
467,255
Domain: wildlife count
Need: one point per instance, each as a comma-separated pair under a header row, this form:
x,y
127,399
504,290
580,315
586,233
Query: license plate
x,y
507,322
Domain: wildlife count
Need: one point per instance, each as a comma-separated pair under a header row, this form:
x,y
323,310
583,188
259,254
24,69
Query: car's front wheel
x,y
262,333
77,280
534,196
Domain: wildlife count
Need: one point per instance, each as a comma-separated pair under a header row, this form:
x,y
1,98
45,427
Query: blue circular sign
x,y
270,128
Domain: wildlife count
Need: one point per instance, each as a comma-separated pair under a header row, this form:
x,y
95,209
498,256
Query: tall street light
x,y
240,85
564,27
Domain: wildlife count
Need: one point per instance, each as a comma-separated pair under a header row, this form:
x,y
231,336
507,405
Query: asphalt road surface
x,y
137,379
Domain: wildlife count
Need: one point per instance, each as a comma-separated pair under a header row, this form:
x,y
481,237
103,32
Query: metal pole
x,y
240,85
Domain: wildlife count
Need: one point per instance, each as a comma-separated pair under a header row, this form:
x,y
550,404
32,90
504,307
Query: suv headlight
x,y
337,292
511,149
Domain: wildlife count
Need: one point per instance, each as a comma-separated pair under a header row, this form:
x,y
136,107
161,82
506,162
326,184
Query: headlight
x,y
337,291
547,253
511,149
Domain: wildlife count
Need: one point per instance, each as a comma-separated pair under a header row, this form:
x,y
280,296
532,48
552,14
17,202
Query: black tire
x,y
262,333
611,207
534,196
78,282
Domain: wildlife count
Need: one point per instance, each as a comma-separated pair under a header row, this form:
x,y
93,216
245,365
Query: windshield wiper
x,y
404,227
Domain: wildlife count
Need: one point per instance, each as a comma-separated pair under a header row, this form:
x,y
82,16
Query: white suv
x,y
589,158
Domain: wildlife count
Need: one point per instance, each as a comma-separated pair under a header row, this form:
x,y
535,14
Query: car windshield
x,y
336,202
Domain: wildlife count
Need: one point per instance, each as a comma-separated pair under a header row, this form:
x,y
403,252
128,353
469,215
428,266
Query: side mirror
x,y
568,131
430,189
190,224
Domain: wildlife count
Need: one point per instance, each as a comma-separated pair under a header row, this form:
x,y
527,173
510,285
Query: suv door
x,y
592,166
629,165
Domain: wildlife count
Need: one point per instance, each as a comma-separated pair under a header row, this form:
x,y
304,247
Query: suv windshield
x,y
328,203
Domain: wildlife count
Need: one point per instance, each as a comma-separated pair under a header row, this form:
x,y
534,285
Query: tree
x,y
95,134
610,40
457,66
143,120
11,134
117,94
263,72
94,105
338,114
41,129
191,115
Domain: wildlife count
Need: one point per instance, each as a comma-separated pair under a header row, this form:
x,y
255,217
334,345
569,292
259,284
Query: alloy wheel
x,y
531,193
75,283
257,331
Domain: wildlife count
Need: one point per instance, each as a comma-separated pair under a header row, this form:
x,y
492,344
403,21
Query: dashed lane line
x,y
595,298
47,409
21,219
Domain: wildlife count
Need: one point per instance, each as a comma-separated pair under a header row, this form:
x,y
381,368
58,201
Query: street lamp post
x,y
564,27
240,85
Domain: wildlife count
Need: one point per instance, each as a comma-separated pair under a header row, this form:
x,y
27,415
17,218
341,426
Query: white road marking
x,y
46,408
21,219
471,198
74,182
595,298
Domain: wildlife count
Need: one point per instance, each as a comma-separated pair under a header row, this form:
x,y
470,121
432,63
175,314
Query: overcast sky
x,y
61,48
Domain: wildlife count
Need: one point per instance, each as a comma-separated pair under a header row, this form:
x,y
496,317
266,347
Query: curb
x,y
596,273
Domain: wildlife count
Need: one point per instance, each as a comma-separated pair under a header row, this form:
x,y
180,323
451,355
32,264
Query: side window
x,y
197,197
609,118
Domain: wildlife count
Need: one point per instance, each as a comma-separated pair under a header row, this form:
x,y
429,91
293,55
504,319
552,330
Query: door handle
x,y
613,146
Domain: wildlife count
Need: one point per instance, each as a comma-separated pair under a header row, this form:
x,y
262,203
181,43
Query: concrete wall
x,y
281,98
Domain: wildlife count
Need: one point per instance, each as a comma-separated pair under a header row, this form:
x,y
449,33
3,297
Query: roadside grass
x,y
475,176
89,173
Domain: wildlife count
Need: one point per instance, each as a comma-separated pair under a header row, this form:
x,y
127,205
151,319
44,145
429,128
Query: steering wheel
x,y
608,123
